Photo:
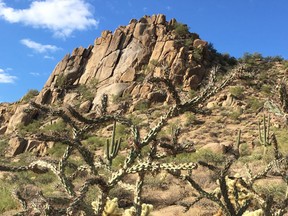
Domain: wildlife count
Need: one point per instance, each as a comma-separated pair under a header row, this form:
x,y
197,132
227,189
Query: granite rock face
x,y
120,64
116,60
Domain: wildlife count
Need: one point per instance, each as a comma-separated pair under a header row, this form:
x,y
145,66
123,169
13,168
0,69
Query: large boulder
x,y
17,145
20,117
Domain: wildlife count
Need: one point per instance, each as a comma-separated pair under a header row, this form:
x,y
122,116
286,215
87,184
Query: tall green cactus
x,y
238,142
112,148
264,137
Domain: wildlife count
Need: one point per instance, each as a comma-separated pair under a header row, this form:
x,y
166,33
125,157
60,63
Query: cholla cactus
x,y
111,207
146,210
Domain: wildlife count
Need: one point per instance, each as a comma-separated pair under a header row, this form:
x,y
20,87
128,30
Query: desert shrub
x,y
234,115
3,146
85,92
285,65
57,150
61,81
254,104
95,141
276,190
200,155
190,118
181,29
7,201
282,137
198,54
30,94
32,127
142,105
266,89
57,126
237,91
93,83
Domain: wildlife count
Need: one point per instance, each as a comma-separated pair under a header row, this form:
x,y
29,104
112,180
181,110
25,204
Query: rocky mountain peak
x,y
116,61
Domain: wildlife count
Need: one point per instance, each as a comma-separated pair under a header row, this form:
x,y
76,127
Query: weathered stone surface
x,y
20,117
17,146
112,90
156,97
199,43
128,75
86,106
117,57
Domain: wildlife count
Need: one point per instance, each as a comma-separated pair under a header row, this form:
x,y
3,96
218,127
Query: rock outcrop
x,y
119,65
117,60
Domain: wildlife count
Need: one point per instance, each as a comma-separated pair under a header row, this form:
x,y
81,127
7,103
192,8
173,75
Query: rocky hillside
x,y
119,66
186,116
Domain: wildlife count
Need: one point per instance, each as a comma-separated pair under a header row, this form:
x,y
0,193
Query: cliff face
x,y
116,61
119,65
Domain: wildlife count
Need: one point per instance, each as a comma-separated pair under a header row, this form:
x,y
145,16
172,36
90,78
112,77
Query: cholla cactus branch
x,y
224,193
274,142
19,197
85,153
157,166
154,131
55,112
170,87
187,206
202,192
99,181
264,173
138,193
104,100
211,89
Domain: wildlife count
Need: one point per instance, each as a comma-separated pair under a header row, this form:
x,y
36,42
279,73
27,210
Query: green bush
x,y
7,202
30,94
266,89
85,92
33,127
235,115
254,104
58,126
61,81
237,91
3,146
181,29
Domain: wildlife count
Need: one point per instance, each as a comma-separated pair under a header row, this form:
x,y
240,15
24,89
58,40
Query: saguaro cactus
x,y
264,133
112,148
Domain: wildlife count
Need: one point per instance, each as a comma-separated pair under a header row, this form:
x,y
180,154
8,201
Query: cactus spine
x,y
112,148
264,133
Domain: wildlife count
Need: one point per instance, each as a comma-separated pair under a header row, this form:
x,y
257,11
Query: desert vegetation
x,y
91,173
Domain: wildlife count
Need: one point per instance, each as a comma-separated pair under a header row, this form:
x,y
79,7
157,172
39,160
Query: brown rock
x,y
3,129
156,97
128,75
86,106
199,43
20,117
17,146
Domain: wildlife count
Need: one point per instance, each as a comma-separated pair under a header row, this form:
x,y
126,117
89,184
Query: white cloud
x,y
6,78
40,48
34,74
63,17
49,57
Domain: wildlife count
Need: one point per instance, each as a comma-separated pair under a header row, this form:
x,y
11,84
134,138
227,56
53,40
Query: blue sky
x,y
36,34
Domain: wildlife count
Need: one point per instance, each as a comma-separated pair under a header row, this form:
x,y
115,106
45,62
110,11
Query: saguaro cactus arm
x,y
112,148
